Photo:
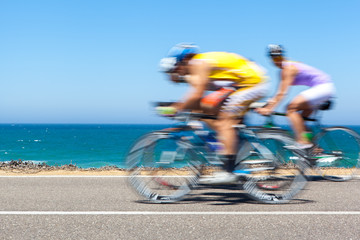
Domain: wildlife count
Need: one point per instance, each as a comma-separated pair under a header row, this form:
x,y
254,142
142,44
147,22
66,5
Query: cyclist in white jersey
x,y
296,73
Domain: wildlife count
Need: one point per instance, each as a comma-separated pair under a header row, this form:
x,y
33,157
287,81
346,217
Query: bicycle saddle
x,y
326,105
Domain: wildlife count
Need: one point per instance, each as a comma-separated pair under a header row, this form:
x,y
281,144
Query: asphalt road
x,y
106,208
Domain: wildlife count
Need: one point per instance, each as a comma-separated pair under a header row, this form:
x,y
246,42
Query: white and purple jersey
x,y
307,75
321,86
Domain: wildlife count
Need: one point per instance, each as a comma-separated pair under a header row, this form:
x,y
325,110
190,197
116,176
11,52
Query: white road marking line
x,y
177,213
67,176
356,177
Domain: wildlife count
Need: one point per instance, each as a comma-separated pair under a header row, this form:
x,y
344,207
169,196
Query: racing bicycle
x,y
166,165
335,154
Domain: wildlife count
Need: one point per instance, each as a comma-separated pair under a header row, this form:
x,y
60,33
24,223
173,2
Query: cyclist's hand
x,y
264,111
166,111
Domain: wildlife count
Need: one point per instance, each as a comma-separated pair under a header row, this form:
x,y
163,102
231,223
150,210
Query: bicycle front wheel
x,y
163,168
272,177
337,153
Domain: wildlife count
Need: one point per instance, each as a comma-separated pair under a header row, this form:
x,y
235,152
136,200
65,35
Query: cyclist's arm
x,y
287,78
199,72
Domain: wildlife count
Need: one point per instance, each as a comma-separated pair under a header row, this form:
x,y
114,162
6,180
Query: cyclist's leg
x,y
231,113
307,101
211,103
228,137
307,113
296,119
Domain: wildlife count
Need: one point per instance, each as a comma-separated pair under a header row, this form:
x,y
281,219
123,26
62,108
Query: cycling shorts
x,y
318,94
235,102
215,98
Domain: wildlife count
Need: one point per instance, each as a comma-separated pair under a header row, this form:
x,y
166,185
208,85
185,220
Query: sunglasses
x,y
277,58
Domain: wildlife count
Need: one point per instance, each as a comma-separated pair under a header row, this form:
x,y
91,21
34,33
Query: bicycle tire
x,y
340,148
280,180
163,168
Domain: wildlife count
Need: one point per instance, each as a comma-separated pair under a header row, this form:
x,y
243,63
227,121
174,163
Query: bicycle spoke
x,y
340,155
164,170
272,179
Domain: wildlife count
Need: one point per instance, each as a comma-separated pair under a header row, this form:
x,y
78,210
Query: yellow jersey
x,y
233,67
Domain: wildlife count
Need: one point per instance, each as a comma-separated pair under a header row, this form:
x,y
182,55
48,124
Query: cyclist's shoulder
x,y
291,63
290,66
218,55
297,64
221,59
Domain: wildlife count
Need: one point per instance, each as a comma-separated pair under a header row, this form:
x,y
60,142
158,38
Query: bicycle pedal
x,y
258,169
241,172
258,161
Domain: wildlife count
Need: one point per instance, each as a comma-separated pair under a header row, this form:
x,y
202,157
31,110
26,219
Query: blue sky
x,y
83,61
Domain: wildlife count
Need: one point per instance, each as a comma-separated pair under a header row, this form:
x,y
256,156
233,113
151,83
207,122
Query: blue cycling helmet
x,y
176,55
180,50
275,50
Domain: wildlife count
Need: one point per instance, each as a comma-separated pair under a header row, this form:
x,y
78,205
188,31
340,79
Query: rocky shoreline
x,y
20,166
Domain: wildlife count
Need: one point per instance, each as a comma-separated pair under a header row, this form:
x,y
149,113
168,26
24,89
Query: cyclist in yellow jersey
x,y
231,66
236,82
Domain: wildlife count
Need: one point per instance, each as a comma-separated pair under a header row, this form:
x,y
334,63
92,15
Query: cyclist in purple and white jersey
x,y
296,73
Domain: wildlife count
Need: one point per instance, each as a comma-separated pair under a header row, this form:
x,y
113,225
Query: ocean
x,y
83,145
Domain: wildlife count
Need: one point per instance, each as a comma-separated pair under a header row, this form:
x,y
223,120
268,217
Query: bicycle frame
x,y
161,173
198,137
330,150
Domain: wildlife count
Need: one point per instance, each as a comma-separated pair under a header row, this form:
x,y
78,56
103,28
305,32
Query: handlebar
x,y
162,104
255,105
186,116
305,118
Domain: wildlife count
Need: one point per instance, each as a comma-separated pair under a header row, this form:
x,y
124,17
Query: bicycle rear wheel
x,y
337,153
272,178
163,168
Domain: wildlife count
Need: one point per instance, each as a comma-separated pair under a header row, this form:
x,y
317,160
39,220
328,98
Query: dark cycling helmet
x,y
176,55
275,50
